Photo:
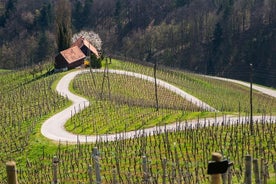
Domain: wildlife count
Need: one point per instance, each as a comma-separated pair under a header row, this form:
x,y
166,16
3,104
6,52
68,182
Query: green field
x,y
27,100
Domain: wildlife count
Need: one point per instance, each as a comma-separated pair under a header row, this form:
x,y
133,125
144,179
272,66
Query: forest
x,y
216,37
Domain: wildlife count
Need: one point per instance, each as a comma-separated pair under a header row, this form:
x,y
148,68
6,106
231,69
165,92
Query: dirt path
x,y
53,128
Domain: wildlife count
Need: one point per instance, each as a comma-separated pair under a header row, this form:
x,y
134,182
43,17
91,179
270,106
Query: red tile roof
x,y
80,42
72,54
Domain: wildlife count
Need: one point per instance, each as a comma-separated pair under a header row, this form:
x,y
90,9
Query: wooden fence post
x,y
164,166
11,172
96,161
262,170
114,180
266,173
256,171
274,166
145,169
55,170
248,169
216,178
90,174
230,175
225,177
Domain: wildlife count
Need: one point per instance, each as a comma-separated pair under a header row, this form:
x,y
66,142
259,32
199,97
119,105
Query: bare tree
x,y
91,36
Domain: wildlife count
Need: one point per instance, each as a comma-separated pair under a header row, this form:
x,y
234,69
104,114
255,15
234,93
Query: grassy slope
x,y
130,106
224,96
39,151
25,103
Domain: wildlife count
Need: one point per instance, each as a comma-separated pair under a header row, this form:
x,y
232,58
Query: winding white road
x,y
53,128
265,90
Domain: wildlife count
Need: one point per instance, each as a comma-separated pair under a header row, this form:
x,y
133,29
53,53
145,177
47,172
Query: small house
x,y
86,47
69,58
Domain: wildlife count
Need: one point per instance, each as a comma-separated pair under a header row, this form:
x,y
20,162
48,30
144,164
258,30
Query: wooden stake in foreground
x,y
216,167
248,169
11,172
96,162
216,178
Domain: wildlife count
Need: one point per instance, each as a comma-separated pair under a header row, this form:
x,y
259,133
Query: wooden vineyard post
x,y
262,170
216,167
256,171
11,172
55,170
96,161
251,104
114,179
266,174
216,178
145,169
248,170
90,174
164,166
274,166
155,86
230,174
224,177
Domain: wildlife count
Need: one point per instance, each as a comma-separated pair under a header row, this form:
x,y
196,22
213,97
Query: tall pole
x,y
55,170
155,85
251,106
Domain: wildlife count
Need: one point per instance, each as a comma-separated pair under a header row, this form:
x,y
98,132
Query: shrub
x,y
95,62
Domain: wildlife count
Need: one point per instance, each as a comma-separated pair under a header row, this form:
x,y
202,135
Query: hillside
x,y
28,100
212,37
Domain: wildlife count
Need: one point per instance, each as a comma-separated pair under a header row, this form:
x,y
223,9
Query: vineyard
x,y
120,103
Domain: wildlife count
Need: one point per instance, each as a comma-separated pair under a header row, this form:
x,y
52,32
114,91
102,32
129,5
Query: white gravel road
x,y
53,128
265,90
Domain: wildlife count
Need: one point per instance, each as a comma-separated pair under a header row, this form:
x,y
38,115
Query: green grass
x,y
25,102
222,95
3,70
22,97
129,98
192,147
